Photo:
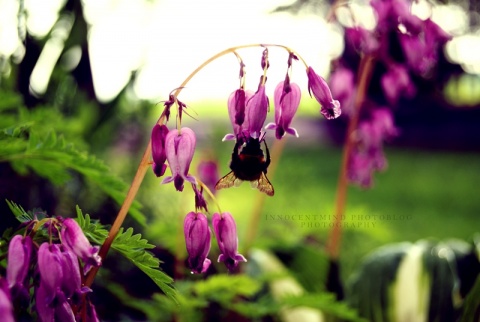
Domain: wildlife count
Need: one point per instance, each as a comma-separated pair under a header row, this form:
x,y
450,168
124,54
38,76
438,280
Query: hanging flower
x,y
237,102
6,307
18,261
75,241
180,147
256,112
319,88
286,100
197,240
159,134
226,233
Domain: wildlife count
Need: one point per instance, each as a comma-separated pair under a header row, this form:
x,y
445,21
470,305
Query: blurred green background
x,y
103,95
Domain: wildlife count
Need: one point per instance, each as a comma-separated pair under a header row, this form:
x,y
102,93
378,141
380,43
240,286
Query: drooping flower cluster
x,y
247,110
368,156
52,269
197,240
402,46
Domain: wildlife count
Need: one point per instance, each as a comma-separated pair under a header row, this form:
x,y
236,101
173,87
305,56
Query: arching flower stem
x,y
145,161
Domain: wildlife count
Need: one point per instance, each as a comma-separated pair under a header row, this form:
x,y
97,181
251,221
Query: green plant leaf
x,y
134,248
19,212
29,145
93,231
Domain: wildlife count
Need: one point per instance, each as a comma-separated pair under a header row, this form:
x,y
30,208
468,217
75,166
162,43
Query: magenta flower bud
x,y
434,35
236,110
396,83
400,11
43,301
208,174
71,282
226,233
237,101
200,202
18,262
360,169
50,268
382,9
197,240
382,120
367,155
75,241
342,85
319,88
6,307
286,100
48,310
362,39
256,112
419,57
159,134
180,149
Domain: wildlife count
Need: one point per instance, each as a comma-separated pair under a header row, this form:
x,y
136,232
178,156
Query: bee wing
x,y
229,180
264,185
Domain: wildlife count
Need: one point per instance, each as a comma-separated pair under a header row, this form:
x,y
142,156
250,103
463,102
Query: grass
x,y
423,194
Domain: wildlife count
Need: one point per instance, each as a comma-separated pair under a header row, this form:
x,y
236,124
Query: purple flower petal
x,y
197,241
319,88
396,83
50,268
286,101
6,307
226,233
159,156
75,241
256,112
342,85
208,174
18,262
180,149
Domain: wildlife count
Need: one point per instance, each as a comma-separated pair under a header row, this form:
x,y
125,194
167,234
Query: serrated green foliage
x,y
134,248
28,144
326,303
94,231
19,212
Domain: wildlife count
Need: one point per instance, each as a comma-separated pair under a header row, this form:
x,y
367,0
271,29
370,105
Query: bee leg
x,y
235,158
267,162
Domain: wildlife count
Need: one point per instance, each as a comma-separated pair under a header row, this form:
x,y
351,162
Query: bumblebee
x,y
248,164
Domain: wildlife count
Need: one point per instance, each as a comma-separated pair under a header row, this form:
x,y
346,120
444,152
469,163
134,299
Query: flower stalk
x,y
145,162
334,239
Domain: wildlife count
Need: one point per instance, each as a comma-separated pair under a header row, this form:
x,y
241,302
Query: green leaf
x,y
19,212
28,144
93,231
134,248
